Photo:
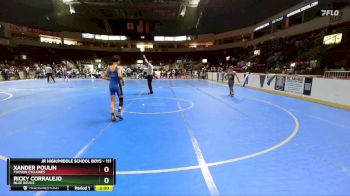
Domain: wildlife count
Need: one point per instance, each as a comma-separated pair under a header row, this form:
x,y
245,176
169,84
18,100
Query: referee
x,y
49,73
149,74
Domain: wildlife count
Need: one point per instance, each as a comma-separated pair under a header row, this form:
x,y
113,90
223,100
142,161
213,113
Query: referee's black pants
x,y
149,80
49,75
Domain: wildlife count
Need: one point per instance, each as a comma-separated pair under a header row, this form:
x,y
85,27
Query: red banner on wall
x,y
21,28
130,26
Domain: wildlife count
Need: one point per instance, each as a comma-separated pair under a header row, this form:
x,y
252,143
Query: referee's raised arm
x,y
149,74
144,58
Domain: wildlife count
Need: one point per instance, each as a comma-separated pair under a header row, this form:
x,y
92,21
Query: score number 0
x,y
106,179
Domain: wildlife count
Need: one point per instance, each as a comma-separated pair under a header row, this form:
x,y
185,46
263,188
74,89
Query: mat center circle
x,y
5,96
157,105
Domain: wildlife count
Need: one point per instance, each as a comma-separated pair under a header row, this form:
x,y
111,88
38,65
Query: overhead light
x,y
67,1
194,3
332,39
181,38
101,37
114,37
303,9
277,20
183,11
261,27
199,19
71,9
171,38
88,35
257,52
143,46
24,57
159,38
70,42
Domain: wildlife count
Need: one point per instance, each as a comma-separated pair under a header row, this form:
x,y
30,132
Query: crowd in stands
x,y
306,51
7,71
37,71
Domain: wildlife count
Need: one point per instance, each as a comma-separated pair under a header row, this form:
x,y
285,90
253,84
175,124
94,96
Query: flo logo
x,y
330,12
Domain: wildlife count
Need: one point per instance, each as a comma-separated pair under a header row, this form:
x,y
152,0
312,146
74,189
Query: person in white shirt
x,y
65,74
27,72
173,72
230,76
49,73
149,74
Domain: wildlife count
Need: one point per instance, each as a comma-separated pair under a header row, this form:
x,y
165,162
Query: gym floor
x,y
189,138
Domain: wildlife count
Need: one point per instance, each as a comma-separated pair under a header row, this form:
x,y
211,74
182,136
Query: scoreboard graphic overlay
x,y
61,174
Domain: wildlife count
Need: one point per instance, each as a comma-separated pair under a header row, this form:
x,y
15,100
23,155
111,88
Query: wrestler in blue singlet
x,y
114,83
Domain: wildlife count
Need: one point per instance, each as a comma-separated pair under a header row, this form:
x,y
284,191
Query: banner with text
x,y
298,84
294,84
280,81
308,86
